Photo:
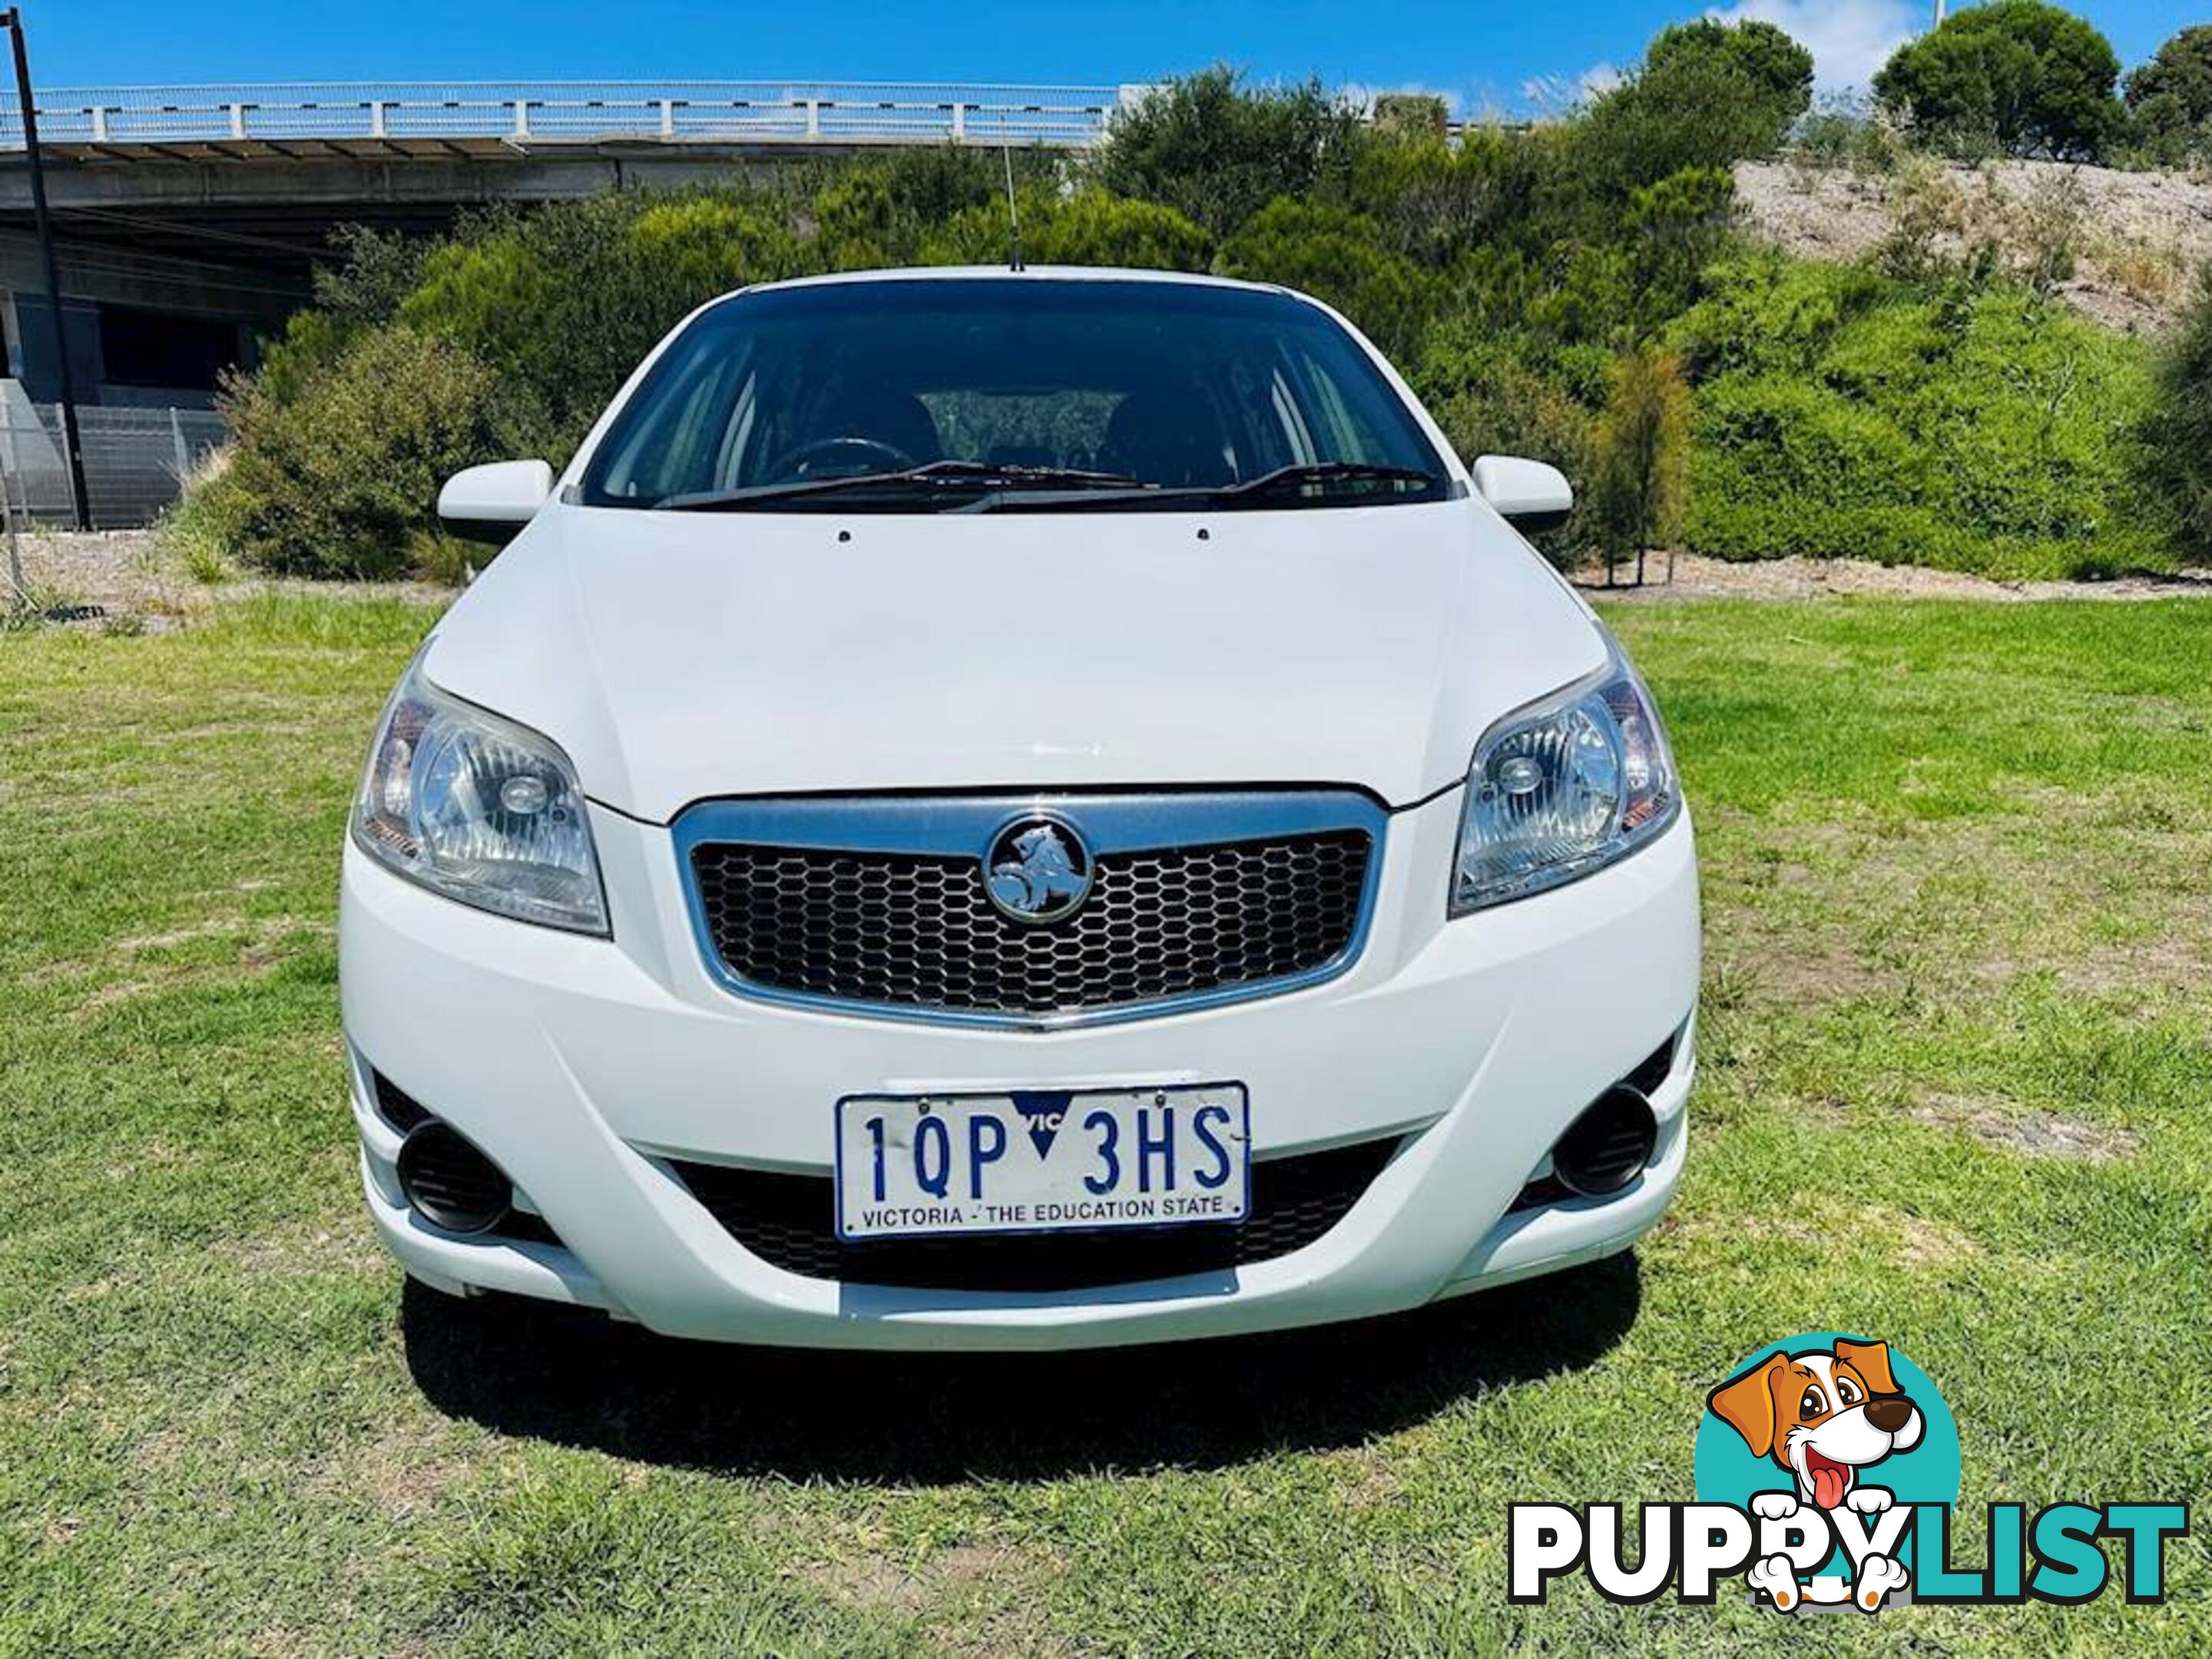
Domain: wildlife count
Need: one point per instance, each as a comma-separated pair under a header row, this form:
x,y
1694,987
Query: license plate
x,y
1043,1160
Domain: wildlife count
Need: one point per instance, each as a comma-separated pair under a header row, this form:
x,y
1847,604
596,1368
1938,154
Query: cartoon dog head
x,y
1823,1415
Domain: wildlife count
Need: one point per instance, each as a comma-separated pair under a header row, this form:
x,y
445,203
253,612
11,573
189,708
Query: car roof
x,y
1011,273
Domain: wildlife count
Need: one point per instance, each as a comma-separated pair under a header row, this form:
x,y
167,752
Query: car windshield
x,y
1020,393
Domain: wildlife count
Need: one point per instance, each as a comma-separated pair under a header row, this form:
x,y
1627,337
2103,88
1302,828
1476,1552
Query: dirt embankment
x,y
2137,238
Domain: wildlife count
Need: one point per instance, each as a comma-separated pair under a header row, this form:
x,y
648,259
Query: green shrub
x,y
1766,314
1410,115
1506,393
334,480
1338,256
561,302
1846,131
1677,227
1840,414
2177,427
2018,76
1089,227
203,529
1218,150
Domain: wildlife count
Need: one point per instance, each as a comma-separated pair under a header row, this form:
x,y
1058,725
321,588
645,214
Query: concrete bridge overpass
x,y
282,162
188,219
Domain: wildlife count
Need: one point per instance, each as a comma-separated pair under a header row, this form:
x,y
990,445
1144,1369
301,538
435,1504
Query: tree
x,y
1217,151
2018,76
1639,475
1765,55
1709,95
2171,97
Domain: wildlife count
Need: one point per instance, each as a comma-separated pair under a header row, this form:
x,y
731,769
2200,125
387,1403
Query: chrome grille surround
x,y
886,882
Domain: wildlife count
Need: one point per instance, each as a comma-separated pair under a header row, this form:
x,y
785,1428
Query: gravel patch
x,y
127,575
119,572
1700,578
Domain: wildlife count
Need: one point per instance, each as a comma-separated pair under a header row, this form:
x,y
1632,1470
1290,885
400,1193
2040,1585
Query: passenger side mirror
x,y
491,504
1529,495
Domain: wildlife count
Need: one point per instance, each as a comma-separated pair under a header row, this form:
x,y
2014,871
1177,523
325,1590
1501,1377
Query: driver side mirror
x,y
491,503
1529,495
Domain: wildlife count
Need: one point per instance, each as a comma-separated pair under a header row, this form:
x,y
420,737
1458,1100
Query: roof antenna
x,y
1013,208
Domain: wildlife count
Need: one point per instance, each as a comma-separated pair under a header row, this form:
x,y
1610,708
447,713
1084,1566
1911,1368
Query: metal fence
x,y
135,460
575,111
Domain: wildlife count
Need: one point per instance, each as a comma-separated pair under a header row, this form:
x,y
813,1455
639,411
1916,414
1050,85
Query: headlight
x,y
480,809
1563,788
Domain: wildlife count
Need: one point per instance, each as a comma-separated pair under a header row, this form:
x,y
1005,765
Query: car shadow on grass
x,y
557,1374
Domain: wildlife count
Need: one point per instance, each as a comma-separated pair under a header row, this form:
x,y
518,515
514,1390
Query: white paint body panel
x,y
683,656
677,657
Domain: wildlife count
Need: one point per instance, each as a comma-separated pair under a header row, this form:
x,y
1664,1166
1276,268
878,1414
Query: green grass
x,y
1955,1094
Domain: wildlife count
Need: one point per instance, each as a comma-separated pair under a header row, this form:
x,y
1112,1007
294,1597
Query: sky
x,y
1483,56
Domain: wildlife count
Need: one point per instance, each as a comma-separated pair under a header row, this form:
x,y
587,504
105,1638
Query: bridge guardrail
x,y
576,112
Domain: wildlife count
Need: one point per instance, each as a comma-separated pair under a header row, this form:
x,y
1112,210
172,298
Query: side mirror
x,y
1529,495
491,503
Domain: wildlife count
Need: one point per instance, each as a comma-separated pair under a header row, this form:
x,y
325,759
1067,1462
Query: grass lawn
x,y
1956,1092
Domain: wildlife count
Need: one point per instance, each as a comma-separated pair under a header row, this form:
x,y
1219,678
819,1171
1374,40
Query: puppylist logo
x,y
1828,1472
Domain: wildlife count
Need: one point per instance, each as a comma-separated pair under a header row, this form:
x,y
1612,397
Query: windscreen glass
x,y
1043,393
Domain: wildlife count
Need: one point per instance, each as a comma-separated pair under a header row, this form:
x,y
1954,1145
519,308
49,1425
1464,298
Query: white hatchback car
x,y
1015,809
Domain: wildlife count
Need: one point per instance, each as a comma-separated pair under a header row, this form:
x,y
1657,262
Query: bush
x,y
1087,228
1410,115
335,480
1676,228
1639,456
2177,430
2019,75
1840,414
1338,256
1437,203
560,303
1505,394
1216,150
202,528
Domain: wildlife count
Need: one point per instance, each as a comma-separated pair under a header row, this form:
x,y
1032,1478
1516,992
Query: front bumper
x,y
585,1067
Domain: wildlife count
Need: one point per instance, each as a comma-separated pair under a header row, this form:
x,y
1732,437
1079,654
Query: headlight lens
x,y
1562,789
480,809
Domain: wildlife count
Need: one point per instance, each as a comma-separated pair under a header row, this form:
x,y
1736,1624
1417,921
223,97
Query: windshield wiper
x,y
932,478
1313,474
1310,478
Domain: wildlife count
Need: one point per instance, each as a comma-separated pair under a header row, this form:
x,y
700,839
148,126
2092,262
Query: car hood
x,y
683,656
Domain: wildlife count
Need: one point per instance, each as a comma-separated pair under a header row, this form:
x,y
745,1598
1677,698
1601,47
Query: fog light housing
x,y
1608,1145
451,1185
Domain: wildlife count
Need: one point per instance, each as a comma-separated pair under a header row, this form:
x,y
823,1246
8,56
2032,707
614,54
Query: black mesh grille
x,y
396,1106
905,930
789,1221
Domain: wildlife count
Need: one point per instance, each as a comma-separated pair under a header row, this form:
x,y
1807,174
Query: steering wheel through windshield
x,y
817,459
